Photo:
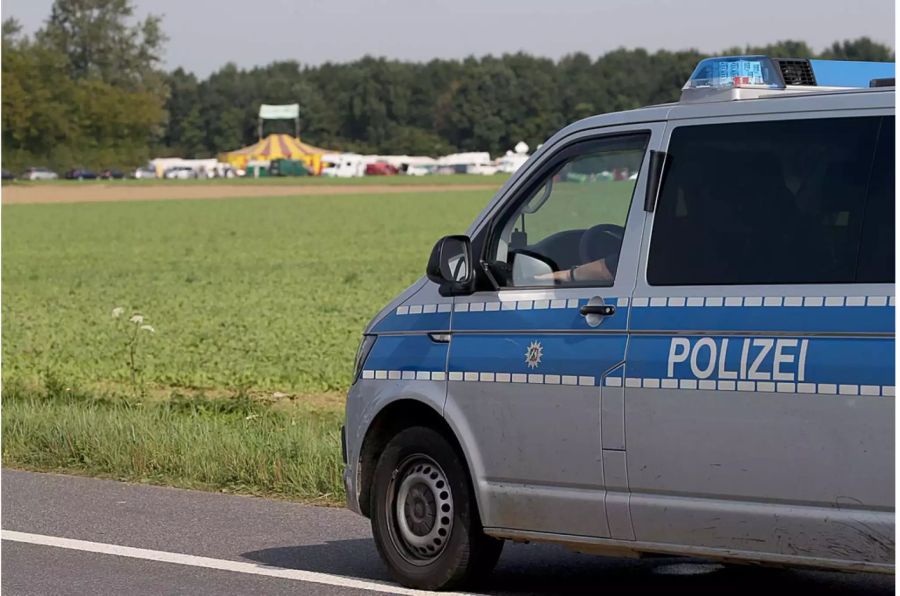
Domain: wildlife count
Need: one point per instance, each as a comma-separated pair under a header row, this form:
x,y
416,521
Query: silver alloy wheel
x,y
420,509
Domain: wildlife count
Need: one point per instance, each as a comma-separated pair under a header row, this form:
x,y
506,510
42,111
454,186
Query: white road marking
x,y
209,563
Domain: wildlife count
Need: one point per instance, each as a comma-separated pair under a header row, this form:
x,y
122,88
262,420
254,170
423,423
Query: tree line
x,y
88,90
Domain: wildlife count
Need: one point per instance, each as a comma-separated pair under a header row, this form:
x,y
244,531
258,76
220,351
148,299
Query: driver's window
x,y
569,230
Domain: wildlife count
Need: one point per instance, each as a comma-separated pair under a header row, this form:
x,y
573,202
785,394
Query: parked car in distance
x,y
381,168
7,175
112,174
80,174
416,170
144,172
279,167
343,165
38,173
180,172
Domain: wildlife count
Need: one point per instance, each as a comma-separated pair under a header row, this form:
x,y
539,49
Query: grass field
x,y
257,306
262,294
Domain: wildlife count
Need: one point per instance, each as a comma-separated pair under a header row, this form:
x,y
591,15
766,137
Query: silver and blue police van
x,y
670,332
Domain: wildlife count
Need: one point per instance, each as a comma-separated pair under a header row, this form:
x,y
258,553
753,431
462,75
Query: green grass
x,y
262,294
258,306
456,179
236,445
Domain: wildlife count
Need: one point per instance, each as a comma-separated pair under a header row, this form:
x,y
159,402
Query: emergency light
x,y
735,71
761,73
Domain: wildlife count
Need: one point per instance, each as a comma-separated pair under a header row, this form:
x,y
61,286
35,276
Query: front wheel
x,y
424,517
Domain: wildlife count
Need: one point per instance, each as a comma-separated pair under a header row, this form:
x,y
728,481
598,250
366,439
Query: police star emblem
x,y
533,354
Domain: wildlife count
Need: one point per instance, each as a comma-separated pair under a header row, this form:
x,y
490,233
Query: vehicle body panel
x,y
784,445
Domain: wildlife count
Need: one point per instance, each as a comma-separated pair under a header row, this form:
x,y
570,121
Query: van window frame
x,y
489,234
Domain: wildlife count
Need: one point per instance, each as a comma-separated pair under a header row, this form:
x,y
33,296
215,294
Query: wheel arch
x,y
393,418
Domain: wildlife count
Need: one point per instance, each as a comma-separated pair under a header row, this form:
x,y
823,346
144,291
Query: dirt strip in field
x,y
100,193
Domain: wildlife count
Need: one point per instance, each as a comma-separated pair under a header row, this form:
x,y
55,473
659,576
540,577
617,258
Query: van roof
x,y
771,102
736,85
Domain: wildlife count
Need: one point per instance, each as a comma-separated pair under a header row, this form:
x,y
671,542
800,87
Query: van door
x,y
528,356
759,390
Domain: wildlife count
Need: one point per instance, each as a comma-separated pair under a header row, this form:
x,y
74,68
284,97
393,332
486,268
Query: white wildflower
x,y
148,328
118,312
137,319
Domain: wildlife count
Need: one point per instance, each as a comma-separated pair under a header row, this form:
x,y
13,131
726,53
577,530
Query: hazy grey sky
x,y
206,34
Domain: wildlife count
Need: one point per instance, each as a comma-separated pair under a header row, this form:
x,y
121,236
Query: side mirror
x,y
450,265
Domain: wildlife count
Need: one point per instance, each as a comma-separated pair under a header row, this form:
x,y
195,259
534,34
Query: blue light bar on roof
x,y
725,72
843,73
761,72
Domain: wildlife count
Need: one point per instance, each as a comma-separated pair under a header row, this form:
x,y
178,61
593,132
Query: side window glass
x,y
775,202
569,228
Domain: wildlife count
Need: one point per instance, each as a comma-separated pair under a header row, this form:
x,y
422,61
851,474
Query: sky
x,y
205,34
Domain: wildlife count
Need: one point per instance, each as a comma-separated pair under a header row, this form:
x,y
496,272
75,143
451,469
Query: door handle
x,y
603,310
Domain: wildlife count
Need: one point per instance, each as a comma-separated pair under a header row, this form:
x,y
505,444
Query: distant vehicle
x,y
112,174
39,174
473,162
404,162
180,173
416,170
343,165
80,174
381,168
513,160
7,175
223,170
281,167
144,172
481,169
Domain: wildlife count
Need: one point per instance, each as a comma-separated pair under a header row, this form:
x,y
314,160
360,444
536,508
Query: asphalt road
x,y
71,535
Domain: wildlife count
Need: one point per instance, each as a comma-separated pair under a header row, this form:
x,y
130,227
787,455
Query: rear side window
x,y
777,202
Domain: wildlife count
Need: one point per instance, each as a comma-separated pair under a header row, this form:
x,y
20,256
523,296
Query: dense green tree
x,y
859,49
99,41
86,90
186,132
51,118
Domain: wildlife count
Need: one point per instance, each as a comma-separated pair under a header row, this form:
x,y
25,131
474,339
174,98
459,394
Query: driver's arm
x,y
592,271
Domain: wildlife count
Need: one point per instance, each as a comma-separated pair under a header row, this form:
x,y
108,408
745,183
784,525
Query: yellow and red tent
x,y
277,146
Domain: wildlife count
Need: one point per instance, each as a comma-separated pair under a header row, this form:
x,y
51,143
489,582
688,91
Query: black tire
x,y
465,554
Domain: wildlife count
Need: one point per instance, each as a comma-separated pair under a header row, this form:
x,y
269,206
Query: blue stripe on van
x,y
583,355
567,319
407,352
437,321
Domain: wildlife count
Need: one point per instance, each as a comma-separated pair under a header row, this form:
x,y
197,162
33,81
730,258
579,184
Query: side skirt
x,y
633,549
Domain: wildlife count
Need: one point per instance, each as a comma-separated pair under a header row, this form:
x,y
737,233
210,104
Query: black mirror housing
x,y
450,266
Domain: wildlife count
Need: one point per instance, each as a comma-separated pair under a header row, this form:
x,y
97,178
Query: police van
x,y
670,332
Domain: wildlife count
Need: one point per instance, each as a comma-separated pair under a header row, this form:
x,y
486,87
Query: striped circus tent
x,y
277,146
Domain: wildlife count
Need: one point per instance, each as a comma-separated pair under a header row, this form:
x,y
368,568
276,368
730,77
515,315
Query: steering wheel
x,y
602,241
